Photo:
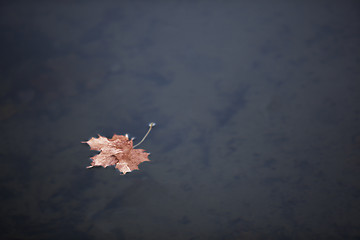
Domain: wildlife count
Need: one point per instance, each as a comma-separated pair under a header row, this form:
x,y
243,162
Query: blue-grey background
x,y
257,105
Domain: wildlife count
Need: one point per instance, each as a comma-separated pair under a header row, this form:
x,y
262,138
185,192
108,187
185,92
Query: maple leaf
x,y
118,151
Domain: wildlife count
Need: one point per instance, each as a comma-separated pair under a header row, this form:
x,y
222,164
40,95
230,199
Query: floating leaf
x,y
118,151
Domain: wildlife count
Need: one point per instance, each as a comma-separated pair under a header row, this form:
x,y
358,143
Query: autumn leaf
x,y
118,151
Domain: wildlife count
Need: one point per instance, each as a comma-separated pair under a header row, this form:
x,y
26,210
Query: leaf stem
x,y
151,125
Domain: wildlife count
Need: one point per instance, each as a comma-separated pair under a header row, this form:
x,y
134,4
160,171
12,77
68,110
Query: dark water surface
x,y
257,105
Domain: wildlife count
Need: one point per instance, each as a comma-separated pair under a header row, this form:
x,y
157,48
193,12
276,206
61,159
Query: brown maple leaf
x,y
118,151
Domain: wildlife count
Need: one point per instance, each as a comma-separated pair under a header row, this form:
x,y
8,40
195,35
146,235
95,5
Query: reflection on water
x,y
256,106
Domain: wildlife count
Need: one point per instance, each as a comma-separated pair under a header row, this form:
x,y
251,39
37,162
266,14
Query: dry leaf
x,y
117,151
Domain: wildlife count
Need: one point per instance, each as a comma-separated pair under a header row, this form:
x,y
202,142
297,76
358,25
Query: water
x,y
257,112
